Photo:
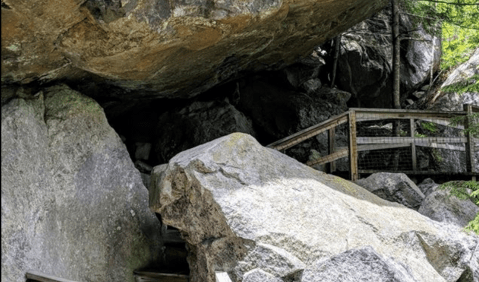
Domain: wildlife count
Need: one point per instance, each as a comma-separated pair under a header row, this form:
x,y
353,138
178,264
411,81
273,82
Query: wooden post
x,y
331,145
353,149
413,145
470,167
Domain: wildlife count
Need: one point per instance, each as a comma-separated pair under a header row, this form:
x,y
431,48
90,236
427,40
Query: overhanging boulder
x,y
175,48
249,210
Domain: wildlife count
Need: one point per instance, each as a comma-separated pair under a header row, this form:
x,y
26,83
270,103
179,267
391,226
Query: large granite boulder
x,y
175,48
253,212
73,204
394,187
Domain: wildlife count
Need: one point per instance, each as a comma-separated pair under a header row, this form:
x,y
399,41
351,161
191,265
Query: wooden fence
x,y
405,139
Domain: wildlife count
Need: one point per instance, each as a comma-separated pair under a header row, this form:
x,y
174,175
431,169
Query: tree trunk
x,y
396,76
396,55
337,42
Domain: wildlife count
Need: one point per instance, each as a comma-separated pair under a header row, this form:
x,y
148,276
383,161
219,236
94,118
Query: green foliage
x,y
465,190
459,24
429,126
458,44
473,128
468,85
473,225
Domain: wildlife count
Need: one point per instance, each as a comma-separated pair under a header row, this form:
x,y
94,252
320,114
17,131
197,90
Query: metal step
x,y
40,277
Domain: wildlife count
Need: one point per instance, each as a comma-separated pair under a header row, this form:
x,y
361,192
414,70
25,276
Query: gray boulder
x,y
427,186
394,187
440,205
73,204
363,264
239,204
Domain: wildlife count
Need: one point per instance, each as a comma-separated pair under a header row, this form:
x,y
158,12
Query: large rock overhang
x,y
174,49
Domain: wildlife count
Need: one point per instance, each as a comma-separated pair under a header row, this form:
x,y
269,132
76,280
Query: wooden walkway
x,y
412,139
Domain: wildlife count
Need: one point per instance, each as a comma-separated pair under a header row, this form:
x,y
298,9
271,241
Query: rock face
x,y
394,187
254,212
176,49
195,124
447,100
365,63
73,205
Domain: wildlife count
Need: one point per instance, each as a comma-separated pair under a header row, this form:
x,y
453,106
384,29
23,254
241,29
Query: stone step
x,y
146,276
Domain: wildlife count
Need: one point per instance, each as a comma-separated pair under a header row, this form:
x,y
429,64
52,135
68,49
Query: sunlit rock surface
x,y
254,212
175,48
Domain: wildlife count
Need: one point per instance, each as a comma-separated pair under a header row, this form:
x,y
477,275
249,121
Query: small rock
x,y
419,94
394,187
425,87
310,86
146,180
409,101
427,186
143,167
142,151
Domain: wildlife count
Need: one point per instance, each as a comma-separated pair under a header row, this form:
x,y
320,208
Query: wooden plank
x,y
413,145
445,122
332,145
441,146
364,116
372,147
470,167
146,276
416,140
37,276
353,152
309,132
342,152
329,158
405,111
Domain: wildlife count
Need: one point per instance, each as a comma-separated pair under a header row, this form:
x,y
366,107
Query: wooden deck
x,y
357,144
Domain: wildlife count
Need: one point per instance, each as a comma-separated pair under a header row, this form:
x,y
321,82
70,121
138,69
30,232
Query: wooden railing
x,y
358,144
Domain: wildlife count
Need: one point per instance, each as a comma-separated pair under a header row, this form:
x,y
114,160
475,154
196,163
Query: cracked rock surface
x,y
253,212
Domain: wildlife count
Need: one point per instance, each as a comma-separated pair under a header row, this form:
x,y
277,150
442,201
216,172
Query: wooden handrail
x,y
355,115
309,132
